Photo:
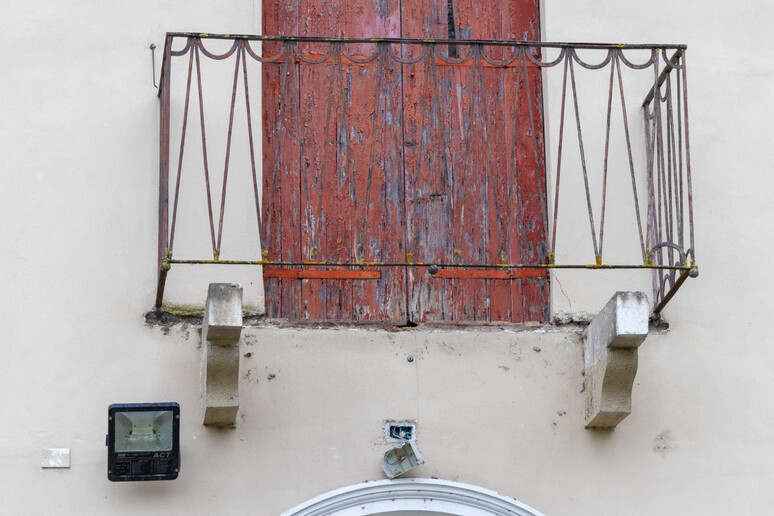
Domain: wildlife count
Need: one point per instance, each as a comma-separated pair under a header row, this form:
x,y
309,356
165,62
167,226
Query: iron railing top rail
x,y
420,41
494,42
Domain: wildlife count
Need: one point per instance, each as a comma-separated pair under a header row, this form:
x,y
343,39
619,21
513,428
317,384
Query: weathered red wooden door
x,y
426,162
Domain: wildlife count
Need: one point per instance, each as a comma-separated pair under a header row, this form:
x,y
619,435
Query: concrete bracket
x,y
610,356
221,331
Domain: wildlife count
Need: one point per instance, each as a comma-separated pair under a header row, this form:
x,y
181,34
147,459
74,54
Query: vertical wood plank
x,y
427,172
521,20
338,224
280,173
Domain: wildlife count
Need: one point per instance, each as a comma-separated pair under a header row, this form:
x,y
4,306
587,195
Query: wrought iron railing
x,y
670,198
662,209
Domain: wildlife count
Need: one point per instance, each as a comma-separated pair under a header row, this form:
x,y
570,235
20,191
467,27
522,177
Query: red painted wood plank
x,y
290,201
344,275
271,211
280,173
377,190
280,273
428,164
438,61
484,175
340,226
489,274
320,274
521,21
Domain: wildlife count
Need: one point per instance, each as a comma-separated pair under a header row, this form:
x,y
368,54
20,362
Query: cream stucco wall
x,y
78,158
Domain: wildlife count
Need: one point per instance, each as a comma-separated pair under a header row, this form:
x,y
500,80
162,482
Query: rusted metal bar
x,y
435,41
182,149
666,213
204,151
559,157
687,152
163,171
153,63
228,150
672,291
664,73
503,266
607,154
162,282
629,154
583,162
250,139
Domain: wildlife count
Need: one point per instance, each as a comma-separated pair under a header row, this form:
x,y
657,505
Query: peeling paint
x,y
407,181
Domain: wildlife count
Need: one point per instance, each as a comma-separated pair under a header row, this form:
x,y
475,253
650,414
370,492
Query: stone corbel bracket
x,y
610,355
221,330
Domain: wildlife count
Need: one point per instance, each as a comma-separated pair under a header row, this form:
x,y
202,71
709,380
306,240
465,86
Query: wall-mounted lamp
x,y
143,441
401,459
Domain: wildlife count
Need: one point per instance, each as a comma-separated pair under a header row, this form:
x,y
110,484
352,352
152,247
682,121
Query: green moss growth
x,y
198,311
184,310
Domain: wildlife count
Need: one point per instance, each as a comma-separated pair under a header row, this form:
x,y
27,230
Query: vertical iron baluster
x,y
204,148
180,157
567,58
240,50
629,153
607,150
583,163
687,151
250,136
681,228
668,137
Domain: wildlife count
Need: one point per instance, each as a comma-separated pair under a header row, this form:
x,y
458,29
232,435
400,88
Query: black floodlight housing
x,y
143,441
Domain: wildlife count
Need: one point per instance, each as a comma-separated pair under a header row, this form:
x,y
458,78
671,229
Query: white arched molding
x,y
412,495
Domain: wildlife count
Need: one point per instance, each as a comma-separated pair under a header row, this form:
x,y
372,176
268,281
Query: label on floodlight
x,y
143,441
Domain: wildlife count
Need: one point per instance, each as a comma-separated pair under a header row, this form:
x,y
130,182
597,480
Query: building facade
x,y
498,408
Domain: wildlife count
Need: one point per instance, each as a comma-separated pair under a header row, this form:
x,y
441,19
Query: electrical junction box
x,y
143,441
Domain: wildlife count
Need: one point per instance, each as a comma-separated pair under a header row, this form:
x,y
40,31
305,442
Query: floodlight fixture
x,y
143,441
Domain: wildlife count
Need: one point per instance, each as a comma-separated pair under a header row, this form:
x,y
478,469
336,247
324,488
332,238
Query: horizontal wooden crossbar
x,y
469,63
318,274
282,273
489,274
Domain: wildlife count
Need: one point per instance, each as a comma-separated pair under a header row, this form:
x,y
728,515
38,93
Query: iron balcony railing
x,y
661,207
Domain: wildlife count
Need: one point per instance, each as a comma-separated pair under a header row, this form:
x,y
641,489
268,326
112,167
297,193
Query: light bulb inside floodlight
x,y
144,431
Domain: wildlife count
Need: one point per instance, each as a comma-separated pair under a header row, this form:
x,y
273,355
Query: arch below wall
x,y
404,497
